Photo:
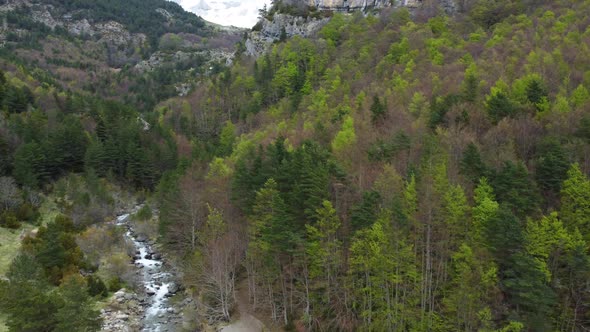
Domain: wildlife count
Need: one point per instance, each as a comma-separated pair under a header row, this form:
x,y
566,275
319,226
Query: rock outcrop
x,y
259,41
271,30
348,5
354,5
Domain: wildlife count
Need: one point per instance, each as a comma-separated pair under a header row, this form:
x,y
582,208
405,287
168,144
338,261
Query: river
x,y
156,283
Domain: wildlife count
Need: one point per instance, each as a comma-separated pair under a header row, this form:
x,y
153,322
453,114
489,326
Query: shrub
x,y
145,213
9,220
96,286
114,284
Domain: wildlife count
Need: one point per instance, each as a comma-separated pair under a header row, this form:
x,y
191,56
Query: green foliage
x,y
580,96
55,248
471,166
583,130
145,213
378,110
489,12
552,166
334,29
9,220
346,137
227,139
439,108
516,190
470,84
394,241
28,304
529,290
77,312
96,287
575,201
364,214
499,106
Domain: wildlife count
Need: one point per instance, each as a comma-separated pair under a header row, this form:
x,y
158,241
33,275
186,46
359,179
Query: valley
x,y
339,166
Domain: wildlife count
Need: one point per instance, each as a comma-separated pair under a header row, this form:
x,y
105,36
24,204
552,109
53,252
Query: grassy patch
x,y
9,246
3,327
48,210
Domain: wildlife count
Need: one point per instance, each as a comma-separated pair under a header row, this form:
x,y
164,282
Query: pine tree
x,y
77,312
378,110
324,250
25,298
471,165
499,106
552,166
226,139
575,201
514,189
484,209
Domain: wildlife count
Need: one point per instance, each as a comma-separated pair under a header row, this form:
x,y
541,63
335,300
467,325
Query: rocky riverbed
x,y
149,308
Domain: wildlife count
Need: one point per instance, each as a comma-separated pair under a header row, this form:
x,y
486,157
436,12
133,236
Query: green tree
x,y
29,165
473,280
575,201
26,297
94,158
378,110
536,92
552,166
365,213
515,189
471,165
580,96
324,250
77,312
499,106
470,85
227,139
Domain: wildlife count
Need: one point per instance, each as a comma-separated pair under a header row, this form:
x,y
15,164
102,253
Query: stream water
x,y
157,283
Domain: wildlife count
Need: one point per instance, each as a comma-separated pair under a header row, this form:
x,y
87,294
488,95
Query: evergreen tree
x,y
470,84
552,166
575,201
324,250
77,312
499,106
378,110
365,213
29,165
471,165
26,297
226,139
514,189
535,92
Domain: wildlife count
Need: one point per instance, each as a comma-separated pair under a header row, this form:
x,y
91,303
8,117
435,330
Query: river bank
x,y
150,306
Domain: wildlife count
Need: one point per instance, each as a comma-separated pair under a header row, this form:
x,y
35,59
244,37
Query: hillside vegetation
x,y
403,171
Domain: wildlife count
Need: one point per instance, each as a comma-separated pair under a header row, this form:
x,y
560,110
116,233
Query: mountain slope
x,y
397,170
134,51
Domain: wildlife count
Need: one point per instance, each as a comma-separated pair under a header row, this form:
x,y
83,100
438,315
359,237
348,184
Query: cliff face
x,y
347,5
259,41
270,30
351,5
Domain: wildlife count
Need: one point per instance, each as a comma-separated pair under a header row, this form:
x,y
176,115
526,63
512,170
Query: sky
x,y
239,13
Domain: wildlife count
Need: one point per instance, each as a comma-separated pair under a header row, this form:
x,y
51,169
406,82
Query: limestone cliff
x,y
353,5
270,30
348,5
259,41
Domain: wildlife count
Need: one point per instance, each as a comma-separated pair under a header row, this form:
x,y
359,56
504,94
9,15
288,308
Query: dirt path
x,y
246,322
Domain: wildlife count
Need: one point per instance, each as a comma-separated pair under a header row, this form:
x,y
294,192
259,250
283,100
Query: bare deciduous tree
x,y
9,194
187,213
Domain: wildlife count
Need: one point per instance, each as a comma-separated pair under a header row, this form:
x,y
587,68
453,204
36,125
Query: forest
x,y
402,171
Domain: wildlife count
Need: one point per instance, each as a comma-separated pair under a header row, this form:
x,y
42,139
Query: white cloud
x,y
240,13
